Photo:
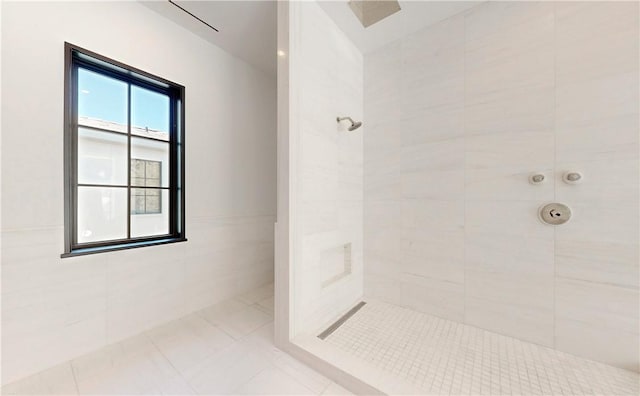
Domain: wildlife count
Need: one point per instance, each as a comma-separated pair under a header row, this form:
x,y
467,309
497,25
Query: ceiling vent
x,y
372,11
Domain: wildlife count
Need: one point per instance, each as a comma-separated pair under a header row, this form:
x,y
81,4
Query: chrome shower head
x,y
354,125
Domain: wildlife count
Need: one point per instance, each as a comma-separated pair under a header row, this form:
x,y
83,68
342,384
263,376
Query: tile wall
x,y
55,309
327,70
458,116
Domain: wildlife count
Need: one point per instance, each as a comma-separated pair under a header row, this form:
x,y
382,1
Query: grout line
x,y
73,374
554,167
464,167
186,381
170,362
234,391
324,389
262,309
234,338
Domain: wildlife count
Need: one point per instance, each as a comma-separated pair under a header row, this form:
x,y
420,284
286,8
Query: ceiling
x,y
413,16
247,29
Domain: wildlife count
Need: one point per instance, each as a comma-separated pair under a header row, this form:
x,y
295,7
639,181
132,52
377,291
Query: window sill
x,y
121,246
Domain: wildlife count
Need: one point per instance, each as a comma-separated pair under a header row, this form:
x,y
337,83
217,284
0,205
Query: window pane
x,y
146,173
102,214
153,173
102,101
102,157
149,113
149,212
151,165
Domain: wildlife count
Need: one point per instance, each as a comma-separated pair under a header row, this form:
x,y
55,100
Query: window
x,y
124,156
145,173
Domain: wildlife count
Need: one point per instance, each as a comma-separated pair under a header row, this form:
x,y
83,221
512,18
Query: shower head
x,y
354,125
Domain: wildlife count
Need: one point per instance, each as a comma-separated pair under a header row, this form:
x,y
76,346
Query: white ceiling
x,y
413,16
247,29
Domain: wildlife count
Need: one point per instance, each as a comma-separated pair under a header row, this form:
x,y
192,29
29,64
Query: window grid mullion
x,y
121,133
119,186
129,161
74,172
145,183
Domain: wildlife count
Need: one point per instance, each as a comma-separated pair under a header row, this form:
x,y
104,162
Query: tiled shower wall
x,y
327,71
458,116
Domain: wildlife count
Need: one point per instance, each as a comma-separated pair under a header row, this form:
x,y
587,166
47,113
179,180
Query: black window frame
x,y
76,57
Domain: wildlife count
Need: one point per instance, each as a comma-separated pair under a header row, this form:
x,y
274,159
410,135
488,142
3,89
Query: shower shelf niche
x,y
338,259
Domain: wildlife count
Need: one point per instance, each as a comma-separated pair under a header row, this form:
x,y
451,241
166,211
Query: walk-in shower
x,y
491,200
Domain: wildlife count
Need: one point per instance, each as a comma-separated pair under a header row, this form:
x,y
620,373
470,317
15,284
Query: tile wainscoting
x,y
57,309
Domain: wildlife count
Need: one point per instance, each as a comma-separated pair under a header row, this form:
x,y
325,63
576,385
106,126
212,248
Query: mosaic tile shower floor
x,y
444,357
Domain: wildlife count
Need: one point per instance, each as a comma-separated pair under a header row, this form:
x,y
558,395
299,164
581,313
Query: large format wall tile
x,y
486,99
330,164
57,312
498,165
598,321
440,298
419,184
608,262
430,125
592,100
53,308
510,273
509,98
432,67
595,39
597,118
605,139
439,256
416,143
510,110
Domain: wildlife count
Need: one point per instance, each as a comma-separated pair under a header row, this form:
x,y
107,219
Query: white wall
x,y
326,74
54,309
458,115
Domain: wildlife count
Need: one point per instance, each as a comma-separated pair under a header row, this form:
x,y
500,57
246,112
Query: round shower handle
x,y
572,177
554,213
536,178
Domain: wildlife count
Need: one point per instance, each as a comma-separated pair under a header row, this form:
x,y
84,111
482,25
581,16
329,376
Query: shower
x,y
435,294
354,125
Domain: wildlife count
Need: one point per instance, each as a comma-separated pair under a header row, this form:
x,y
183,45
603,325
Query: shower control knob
x,y
536,178
554,213
572,177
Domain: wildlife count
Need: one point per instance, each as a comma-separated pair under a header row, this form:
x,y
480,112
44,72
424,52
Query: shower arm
x,y
339,119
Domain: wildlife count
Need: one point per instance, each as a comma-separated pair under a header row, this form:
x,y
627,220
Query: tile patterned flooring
x,y
224,349
228,349
444,357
